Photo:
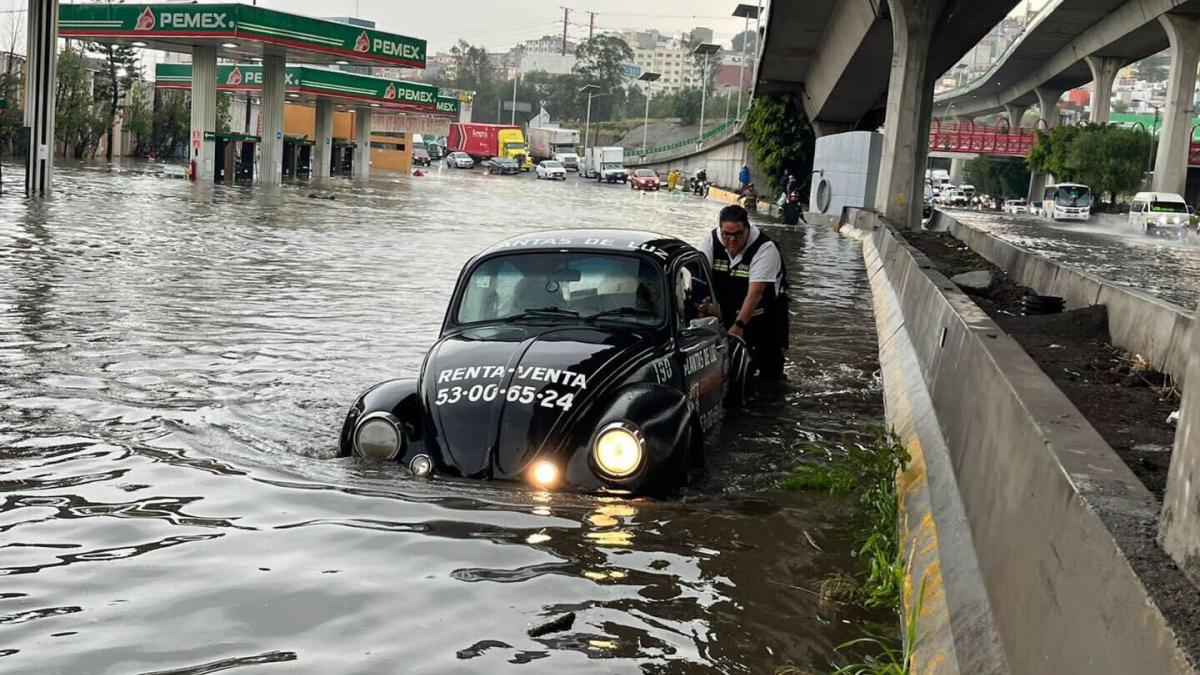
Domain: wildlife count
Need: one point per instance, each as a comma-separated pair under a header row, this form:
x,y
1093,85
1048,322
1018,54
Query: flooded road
x,y
1108,247
174,366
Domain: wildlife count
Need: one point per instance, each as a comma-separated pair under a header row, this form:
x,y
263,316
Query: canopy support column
x,y
323,145
41,70
362,143
204,114
274,72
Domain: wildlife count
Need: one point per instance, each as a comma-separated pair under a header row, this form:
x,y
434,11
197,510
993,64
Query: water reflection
x,y
174,365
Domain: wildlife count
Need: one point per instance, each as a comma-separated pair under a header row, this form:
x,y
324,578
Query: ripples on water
x,y
1108,247
174,365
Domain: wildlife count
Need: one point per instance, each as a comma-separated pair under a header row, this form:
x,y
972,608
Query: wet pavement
x,y
175,362
1106,246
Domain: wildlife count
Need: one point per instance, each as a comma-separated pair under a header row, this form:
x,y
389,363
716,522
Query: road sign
x,y
521,106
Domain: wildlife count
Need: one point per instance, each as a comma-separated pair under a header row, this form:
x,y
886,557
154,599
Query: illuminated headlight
x,y
378,436
618,449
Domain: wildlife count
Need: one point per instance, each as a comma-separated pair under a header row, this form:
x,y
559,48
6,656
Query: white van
x,y
1158,211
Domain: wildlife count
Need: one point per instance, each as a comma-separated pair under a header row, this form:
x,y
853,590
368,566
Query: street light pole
x,y
587,126
647,77
1153,132
705,50
746,11
513,120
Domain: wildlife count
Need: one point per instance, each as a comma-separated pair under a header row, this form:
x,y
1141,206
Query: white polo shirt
x,y
766,266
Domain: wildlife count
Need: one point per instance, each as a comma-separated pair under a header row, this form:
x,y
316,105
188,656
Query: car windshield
x,y
573,286
645,173
1168,207
1075,196
549,164
611,165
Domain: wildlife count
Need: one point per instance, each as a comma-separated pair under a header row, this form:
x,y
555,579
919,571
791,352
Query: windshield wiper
x,y
621,311
544,313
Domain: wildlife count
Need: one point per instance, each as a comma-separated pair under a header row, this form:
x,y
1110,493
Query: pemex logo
x,y
390,93
145,20
235,77
363,43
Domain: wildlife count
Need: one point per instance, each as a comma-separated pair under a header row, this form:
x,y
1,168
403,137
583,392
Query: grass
x,y
868,471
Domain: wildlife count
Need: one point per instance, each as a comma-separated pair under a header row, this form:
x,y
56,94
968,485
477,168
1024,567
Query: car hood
x,y
498,397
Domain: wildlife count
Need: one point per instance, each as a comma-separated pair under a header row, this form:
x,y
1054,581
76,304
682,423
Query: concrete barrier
x,y
1137,322
1033,538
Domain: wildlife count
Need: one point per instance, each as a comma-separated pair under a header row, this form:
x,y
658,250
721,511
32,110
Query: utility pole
x,y
591,24
566,16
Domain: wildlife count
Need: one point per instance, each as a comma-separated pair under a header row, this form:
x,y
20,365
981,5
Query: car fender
x,y
400,398
663,415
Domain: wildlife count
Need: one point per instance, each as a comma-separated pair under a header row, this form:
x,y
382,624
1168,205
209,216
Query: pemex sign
x,y
186,24
398,95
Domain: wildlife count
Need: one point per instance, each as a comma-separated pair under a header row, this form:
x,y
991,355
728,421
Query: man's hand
x,y
735,331
706,308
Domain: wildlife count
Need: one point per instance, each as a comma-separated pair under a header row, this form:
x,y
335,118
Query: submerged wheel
x,y
741,374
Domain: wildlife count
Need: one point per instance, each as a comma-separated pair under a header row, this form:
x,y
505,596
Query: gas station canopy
x,y
307,84
240,33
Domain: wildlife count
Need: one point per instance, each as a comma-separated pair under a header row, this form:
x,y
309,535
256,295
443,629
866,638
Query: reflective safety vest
x,y
769,322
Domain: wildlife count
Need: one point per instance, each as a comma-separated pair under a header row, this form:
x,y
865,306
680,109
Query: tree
x,y
599,63
139,118
1155,68
79,120
172,122
122,67
471,65
224,99
780,138
1006,177
11,115
687,105
1109,159
747,39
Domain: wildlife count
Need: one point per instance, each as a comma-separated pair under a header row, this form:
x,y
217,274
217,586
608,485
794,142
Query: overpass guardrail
x,y
719,132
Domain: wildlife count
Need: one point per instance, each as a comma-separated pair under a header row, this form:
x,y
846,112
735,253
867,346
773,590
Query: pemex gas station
x,y
290,60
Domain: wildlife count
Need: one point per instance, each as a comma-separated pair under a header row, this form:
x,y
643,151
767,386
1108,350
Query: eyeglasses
x,y
732,235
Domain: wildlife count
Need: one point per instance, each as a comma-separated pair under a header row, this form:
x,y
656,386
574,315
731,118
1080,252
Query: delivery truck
x,y
557,143
605,163
484,141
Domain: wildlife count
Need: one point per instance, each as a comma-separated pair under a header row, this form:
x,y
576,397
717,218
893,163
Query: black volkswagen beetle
x,y
573,359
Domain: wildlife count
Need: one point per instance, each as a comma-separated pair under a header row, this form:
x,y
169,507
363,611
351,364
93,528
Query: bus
x,y
1067,201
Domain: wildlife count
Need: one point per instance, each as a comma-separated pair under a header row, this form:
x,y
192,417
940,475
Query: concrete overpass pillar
x,y
1170,165
204,112
1015,111
270,162
1179,522
909,112
464,111
323,141
40,73
362,143
1104,73
823,128
1048,104
957,165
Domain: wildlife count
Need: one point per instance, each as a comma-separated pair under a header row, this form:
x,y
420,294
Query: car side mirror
x,y
709,324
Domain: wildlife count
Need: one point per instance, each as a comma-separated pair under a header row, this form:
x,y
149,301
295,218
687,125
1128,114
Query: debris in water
x,y
810,540
562,623
318,195
1173,418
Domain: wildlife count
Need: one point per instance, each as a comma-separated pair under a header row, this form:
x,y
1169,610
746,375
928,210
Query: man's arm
x,y
753,297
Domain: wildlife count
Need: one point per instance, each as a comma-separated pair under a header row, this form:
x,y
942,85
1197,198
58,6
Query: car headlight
x,y
618,449
378,436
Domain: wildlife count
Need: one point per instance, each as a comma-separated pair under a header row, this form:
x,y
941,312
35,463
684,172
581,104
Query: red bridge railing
x,y
1002,141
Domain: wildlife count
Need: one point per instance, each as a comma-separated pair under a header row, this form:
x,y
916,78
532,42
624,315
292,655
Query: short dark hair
x,y
734,214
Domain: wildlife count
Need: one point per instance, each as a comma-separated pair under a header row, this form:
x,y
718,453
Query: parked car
x,y
569,359
1016,206
459,160
644,179
502,165
421,156
551,170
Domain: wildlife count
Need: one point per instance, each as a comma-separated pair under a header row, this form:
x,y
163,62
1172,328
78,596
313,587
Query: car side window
x,y
1137,207
693,286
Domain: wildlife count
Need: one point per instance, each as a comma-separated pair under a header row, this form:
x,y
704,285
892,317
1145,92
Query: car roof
x,y
1160,196
651,244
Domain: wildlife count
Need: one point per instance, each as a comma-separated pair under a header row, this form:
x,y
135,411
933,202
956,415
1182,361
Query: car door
x,y
702,352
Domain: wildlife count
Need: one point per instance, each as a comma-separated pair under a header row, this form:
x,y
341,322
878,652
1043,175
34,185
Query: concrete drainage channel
x,y
1033,541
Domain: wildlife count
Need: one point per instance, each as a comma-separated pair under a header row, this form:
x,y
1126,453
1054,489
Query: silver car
x,y
459,160
551,170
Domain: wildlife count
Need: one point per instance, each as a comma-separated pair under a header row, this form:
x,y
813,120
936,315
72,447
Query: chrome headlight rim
x,y
632,429
386,417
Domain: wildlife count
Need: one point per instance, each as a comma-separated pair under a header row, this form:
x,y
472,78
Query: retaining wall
x,y
1137,322
1033,538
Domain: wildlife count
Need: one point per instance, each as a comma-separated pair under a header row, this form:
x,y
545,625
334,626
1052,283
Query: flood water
x,y
1108,247
175,362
